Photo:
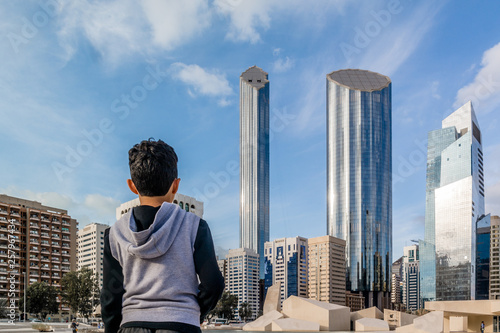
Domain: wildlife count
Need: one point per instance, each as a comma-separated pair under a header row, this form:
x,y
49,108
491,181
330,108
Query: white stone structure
x,y
187,203
243,278
91,248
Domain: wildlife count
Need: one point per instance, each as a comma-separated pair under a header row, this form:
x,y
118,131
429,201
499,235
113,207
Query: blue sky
x,y
81,82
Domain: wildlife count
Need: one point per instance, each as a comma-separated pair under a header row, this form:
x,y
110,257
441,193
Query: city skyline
x,y
76,99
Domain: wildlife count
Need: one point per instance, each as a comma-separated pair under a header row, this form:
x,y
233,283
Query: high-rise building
x,y
42,241
359,177
396,283
411,278
243,278
326,278
254,161
185,202
483,239
286,262
495,258
223,269
454,203
91,248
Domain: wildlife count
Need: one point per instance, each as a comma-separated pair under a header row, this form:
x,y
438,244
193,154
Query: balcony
x,y
35,258
3,218
34,225
45,227
34,217
56,221
3,211
45,218
14,213
65,230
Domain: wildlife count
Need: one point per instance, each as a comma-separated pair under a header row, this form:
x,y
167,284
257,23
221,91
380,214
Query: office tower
x,y
495,258
454,203
396,284
44,246
411,278
254,161
326,272
483,238
286,262
187,203
91,248
359,177
243,278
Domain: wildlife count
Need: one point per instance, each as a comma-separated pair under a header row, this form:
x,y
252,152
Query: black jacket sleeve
x,y
112,289
211,280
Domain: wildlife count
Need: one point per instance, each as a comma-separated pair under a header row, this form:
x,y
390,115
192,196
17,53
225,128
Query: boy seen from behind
x,y
160,270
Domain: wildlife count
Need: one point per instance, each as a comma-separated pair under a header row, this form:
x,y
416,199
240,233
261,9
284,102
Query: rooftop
x,y
359,79
255,76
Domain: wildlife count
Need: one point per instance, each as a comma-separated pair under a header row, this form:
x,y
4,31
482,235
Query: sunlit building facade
x,y
411,278
91,249
495,258
286,262
242,278
359,178
254,161
326,269
189,204
454,204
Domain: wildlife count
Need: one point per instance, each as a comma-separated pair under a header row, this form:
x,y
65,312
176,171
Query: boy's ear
x,y
175,185
132,187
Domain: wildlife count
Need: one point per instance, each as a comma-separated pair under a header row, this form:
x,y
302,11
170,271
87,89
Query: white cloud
x,y
203,82
283,64
484,91
173,22
119,29
246,17
394,43
93,208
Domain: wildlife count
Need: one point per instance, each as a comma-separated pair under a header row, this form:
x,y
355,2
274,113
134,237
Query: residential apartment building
x,y
326,270
286,262
396,284
495,258
187,203
243,278
411,278
42,241
91,248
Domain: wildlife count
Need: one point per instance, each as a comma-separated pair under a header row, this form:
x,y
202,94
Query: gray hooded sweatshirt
x,y
160,281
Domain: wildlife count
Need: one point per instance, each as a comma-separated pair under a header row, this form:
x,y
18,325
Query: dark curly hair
x,y
153,167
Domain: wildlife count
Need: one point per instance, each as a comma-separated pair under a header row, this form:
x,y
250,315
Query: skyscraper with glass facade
x,y
359,177
454,204
254,161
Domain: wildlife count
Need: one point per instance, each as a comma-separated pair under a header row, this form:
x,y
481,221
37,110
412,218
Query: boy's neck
x,y
154,201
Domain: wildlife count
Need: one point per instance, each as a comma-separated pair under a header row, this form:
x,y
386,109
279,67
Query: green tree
x,y
3,307
245,311
226,305
80,290
40,299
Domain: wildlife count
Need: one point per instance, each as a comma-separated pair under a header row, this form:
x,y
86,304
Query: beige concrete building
x,y
185,202
355,301
91,248
35,240
495,258
243,278
327,269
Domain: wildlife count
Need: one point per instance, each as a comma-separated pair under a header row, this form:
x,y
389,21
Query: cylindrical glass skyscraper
x,y
359,177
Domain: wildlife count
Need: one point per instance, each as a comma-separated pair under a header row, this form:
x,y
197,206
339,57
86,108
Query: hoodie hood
x,y
157,239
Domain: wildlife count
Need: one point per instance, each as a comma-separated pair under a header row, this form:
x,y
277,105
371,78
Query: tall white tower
x,y
254,161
